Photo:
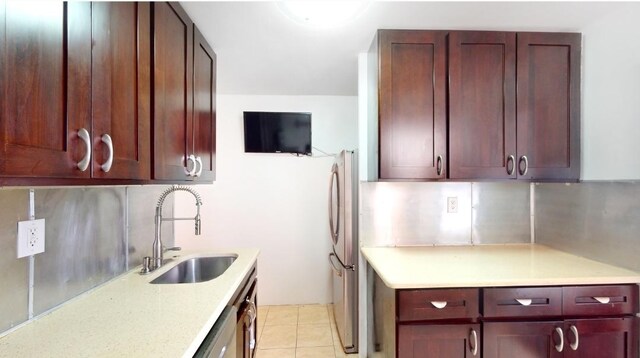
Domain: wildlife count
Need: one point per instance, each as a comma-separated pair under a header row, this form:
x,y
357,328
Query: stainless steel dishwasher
x,y
221,340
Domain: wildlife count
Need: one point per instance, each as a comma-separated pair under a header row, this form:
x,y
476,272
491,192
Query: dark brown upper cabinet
x,y
204,107
121,92
75,93
184,98
45,89
172,99
412,104
512,111
482,105
488,138
548,102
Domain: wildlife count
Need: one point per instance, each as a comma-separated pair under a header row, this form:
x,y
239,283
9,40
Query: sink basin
x,y
197,269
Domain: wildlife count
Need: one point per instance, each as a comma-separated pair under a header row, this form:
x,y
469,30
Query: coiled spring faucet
x,y
155,261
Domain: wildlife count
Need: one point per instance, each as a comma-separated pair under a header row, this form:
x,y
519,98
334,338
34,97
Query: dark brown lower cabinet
x,y
522,339
606,337
584,338
439,340
594,321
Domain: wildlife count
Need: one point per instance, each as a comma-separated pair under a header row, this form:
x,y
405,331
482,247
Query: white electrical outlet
x,y
30,237
452,204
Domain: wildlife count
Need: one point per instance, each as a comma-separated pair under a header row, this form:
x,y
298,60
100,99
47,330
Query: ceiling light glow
x,y
323,13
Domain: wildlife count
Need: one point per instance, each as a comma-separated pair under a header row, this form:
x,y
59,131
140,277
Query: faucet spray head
x,y
198,225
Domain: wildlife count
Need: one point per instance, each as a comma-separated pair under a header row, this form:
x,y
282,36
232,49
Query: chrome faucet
x,y
155,261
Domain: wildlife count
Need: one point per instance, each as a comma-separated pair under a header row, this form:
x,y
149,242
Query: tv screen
x,y
277,132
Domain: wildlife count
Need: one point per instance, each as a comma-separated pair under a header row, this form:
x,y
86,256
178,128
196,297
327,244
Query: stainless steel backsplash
x,y
93,234
142,203
13,272
415,213
597,220
85,242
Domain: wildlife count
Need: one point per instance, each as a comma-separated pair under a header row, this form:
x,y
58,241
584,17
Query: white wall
x,y
611,96
275,202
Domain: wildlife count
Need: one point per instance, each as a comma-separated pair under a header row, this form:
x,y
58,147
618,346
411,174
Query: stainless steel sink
x,y
197,269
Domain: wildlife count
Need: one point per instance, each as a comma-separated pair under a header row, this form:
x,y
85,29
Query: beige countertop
x,y
489,265
128,317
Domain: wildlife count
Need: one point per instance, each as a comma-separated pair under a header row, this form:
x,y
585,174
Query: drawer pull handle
x,y
574,345
439,304
603,300
559,347
474,338
524,301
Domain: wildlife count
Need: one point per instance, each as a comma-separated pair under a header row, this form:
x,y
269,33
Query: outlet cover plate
x,y
452,204
30,237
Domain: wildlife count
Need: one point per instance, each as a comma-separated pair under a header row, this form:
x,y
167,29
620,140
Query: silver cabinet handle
x,y
84,163
511,159
439,304
526,165
560,346
603,300
574,345
192,172
106,139
439,165
524,301
474,338
198,165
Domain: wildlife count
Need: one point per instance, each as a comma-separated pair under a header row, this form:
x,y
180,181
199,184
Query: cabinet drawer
x,y
600,300
421,305
523,302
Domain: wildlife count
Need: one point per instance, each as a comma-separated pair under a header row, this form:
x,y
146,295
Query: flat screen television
x,y
277,132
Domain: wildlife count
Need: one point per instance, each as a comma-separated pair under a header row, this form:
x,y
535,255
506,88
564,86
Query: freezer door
x,y
345,304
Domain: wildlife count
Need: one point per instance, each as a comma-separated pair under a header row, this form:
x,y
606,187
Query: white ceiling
x,y
261,51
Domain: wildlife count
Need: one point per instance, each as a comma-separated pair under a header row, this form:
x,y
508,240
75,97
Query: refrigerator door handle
x,y
333,266
334,228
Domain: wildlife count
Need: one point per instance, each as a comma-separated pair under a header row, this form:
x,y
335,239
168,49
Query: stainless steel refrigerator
x,y
343,225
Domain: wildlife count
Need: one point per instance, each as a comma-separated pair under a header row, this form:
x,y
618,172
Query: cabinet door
x,y
596,338
439,341
412,104
45,88
121,88
482,105
548,100
523,339
172,90
204,107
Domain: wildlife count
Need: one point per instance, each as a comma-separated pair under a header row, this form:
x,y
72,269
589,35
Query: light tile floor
x,y
298,331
